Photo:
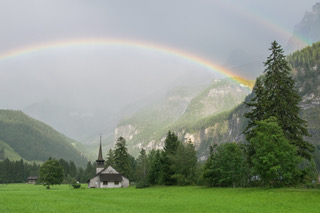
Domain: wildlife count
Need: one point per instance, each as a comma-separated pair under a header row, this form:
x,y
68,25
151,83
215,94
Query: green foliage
x,y
110,159
306,67
154,160
257,105
306,64
17,171
226,166
184,164
34,140
2,157
171,145
51,173
282,101
142,170
89,172
176,164
8,152
75,184
121,156
275,160
276,96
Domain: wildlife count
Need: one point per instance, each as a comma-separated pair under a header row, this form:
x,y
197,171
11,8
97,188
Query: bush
x,y
76,185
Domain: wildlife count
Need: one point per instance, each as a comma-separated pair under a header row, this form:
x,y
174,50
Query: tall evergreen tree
x,y
90,171
142,170
121,157
276,96
257,105
171,145
110,158
154,159
282,100
184,164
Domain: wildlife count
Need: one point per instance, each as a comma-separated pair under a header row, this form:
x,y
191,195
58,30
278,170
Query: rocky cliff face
x,y
307,31
220,96
182,108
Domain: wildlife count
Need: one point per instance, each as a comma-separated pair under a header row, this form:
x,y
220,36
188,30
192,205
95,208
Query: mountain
x,y
182,106
308,30
228,126
24,137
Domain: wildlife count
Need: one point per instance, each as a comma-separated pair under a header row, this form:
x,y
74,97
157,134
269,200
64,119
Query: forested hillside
x,y
32,140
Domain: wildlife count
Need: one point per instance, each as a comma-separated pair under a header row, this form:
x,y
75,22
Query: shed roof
x,y
111,177
32,178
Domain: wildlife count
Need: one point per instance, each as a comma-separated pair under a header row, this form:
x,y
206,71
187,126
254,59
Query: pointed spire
x,y
100,151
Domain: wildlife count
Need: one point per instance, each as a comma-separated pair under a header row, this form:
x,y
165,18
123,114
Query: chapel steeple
x,y
100,160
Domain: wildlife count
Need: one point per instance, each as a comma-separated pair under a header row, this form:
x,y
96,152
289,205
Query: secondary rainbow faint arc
x,y
127,43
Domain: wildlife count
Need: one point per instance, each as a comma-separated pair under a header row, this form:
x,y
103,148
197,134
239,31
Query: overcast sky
x,y
86,75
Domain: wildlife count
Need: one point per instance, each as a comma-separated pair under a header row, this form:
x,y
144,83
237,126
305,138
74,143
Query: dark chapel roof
x,y
110,177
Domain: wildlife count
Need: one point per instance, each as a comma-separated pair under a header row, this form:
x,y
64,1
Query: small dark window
x,y
105,182
116,183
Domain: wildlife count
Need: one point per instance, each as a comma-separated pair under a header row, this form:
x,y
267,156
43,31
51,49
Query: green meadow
x,y
36,198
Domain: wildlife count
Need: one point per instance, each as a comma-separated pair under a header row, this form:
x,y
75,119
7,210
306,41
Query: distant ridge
x,y
33,140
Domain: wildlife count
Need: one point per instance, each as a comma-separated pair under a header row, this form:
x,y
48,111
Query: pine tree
x,y
121,157
142,170
184,164
257,106
277,97
110,158
282,101
154,159
171,145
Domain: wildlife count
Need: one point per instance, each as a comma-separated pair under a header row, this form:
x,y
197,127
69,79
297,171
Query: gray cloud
x,y
94,76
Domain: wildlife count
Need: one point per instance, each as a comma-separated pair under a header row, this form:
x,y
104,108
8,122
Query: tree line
x,y
19,171
175,164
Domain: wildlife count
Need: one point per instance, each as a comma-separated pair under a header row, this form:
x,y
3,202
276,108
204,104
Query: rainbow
x,y
128,43
266,22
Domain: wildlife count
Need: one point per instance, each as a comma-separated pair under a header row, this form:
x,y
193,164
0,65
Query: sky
x,y
65,52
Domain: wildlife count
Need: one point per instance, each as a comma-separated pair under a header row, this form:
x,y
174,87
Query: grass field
x,y
36,198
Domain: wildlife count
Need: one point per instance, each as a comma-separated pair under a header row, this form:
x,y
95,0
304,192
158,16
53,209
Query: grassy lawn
x,y
35,198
